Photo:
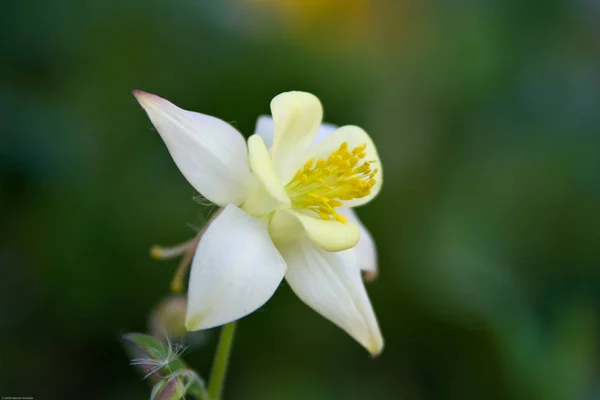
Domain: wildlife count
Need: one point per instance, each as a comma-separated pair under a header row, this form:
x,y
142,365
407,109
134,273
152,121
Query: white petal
x,y
331,284
355,136
297,117
329,234
269,194
210,153
265,128
236,269
365,250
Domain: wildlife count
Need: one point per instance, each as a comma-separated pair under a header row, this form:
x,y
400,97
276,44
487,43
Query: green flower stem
x,y
221,361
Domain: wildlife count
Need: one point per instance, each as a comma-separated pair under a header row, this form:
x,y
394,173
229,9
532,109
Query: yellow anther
x,y
326,209
335,203
308,164
323,215
322,185
340,218
359,149
362,169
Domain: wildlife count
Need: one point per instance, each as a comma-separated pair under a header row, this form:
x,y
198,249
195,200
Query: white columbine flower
x,y
287,197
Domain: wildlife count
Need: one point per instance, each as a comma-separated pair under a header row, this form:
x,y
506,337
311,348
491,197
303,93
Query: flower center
x,y
320,185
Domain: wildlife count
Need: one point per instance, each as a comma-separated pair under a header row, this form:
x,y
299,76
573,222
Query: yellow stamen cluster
x,y
321,185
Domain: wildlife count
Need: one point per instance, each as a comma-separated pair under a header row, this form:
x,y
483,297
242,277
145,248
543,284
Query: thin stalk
x,y
221,362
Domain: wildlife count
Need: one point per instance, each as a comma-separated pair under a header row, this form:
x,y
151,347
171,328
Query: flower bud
x,y
168,318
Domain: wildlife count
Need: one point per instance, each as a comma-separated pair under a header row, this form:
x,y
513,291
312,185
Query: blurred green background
x,y
487,118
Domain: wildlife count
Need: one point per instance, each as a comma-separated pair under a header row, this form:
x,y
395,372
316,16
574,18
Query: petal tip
x,y
139,94
369,275
297,96
146,99
193,323
375,347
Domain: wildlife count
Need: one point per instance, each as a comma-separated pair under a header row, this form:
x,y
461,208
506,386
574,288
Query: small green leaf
x,y
149,344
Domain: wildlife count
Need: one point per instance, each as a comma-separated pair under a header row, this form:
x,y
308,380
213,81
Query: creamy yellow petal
x,y
329,234
265,128
297,117
355,137
268,193
285,228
